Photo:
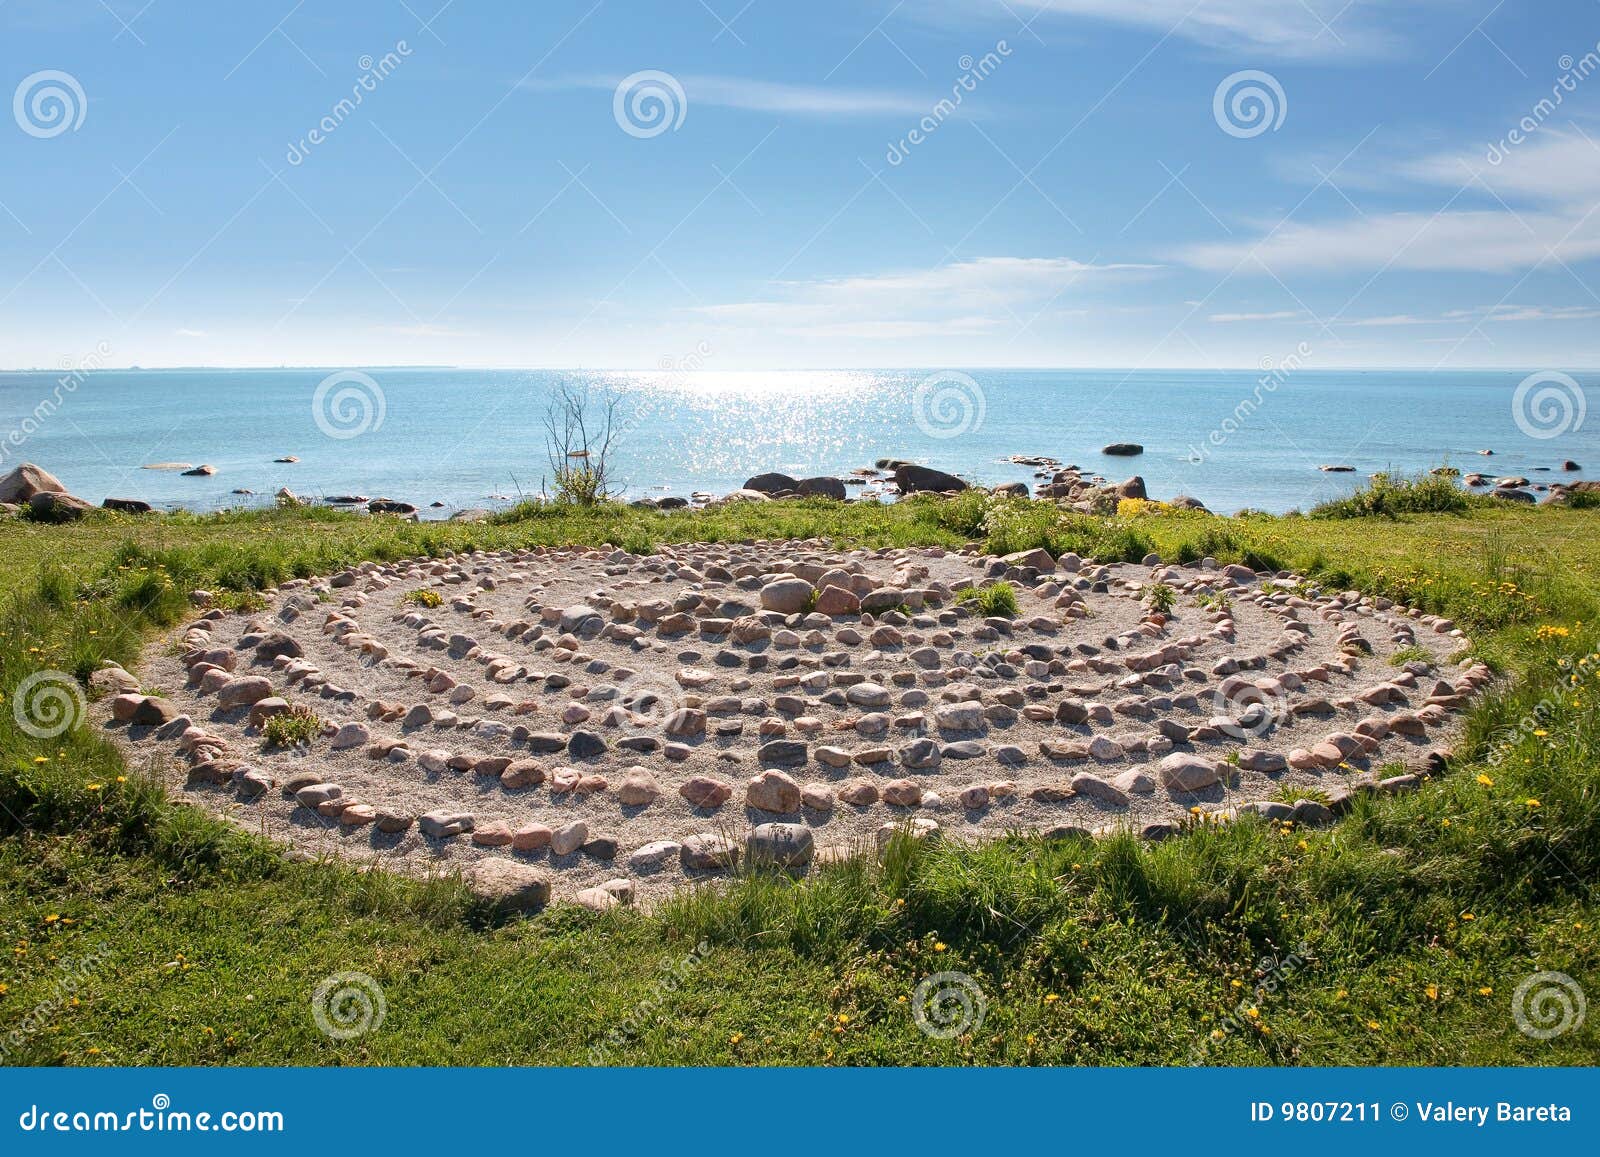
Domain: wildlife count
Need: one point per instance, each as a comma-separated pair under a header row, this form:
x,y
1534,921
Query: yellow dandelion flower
x,y
736,1038
1253,1013
41,759
1485,780
1051,998
939,945
1486,991
1373,1025
1534,803
1433,991
1468,916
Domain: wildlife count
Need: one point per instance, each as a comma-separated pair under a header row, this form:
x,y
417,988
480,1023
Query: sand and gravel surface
x,y
599,718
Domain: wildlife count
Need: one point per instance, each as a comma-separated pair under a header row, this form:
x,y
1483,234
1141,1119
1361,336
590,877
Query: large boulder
x,y
821,488
507,886
772,483
25,481
910,479
1123,449
1132,488
54,506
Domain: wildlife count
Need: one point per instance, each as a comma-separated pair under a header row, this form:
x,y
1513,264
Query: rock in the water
x,y
911,479
773,483
1123,449
821,488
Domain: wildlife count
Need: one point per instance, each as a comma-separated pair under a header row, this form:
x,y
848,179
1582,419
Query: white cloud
x,y
822,100
1540,203
979,296
1275,315
186,332
1297,28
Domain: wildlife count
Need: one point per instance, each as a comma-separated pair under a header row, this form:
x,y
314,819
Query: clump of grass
x,y
635,540
1412,655
291,728
422,598
1388,495
997,599
1213,601
1161,598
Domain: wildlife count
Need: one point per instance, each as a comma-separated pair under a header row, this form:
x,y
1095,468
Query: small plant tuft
x,y
998,599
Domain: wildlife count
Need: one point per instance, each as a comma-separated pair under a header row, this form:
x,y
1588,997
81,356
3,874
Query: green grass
x,y
996,599
137,930
297,725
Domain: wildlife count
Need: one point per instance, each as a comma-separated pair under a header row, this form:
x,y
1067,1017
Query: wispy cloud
x,y
1296,28
767,96
1275,315
1538,204
983,295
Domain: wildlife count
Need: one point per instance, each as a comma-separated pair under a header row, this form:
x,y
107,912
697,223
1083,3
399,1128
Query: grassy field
x,y
136,930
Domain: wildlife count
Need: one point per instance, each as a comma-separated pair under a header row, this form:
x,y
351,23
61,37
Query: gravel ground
x,y
691,694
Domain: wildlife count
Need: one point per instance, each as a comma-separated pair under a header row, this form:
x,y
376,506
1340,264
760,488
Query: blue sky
x,y
1093,199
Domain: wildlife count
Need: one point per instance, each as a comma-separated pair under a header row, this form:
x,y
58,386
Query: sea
x,y
450,439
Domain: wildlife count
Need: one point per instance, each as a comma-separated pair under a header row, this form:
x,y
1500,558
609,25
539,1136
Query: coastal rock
x,y
787,596
772,484
20,485
911,479
773,791
127,505
52,506
821,488
507,886
784,847
1182,772
1123,449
